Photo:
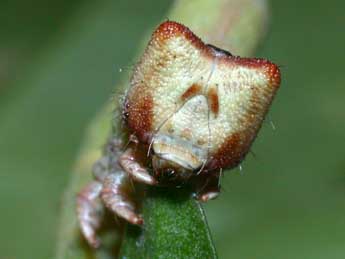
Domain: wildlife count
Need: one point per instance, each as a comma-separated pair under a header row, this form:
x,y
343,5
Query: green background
x,y
59,62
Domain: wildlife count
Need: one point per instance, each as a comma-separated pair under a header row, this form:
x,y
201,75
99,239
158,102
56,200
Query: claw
x,y
208,196
87,207
116,194
134,169
209,187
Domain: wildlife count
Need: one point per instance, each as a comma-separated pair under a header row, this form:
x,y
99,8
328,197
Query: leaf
x,y
175,228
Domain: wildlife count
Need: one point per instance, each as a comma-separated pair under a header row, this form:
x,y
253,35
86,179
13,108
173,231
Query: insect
x,y
191,111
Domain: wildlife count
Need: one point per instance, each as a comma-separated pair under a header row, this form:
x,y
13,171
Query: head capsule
x,y
175,158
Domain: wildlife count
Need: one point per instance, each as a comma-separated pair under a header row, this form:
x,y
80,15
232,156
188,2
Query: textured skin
x,y
188,90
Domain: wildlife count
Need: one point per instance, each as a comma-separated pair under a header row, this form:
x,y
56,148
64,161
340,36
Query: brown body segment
x,y
193,90
138,113
213,100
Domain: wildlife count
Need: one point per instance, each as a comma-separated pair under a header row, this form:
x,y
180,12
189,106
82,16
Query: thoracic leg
x,y
209,188
113,188
129,163
117,194
89,212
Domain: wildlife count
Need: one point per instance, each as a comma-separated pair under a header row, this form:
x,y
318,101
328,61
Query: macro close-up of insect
x,y
178,129
191,111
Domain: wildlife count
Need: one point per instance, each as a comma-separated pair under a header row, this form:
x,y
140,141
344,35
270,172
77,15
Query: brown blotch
x,y
193,90
212,96
232,152
139,113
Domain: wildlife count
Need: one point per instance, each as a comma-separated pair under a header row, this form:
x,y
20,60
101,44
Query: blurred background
x,y
59,63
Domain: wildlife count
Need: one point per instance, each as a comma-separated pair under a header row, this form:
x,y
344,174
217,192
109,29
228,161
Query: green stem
x,y
175,225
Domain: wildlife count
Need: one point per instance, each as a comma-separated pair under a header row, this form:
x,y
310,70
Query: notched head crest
x,y
195,106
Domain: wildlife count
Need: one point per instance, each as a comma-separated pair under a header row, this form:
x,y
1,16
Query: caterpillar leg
x,y
90,209
112,188
89,212
117,195
128,162
210,188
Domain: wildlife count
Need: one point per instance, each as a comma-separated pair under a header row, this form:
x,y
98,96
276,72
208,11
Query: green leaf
x,y
175,228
